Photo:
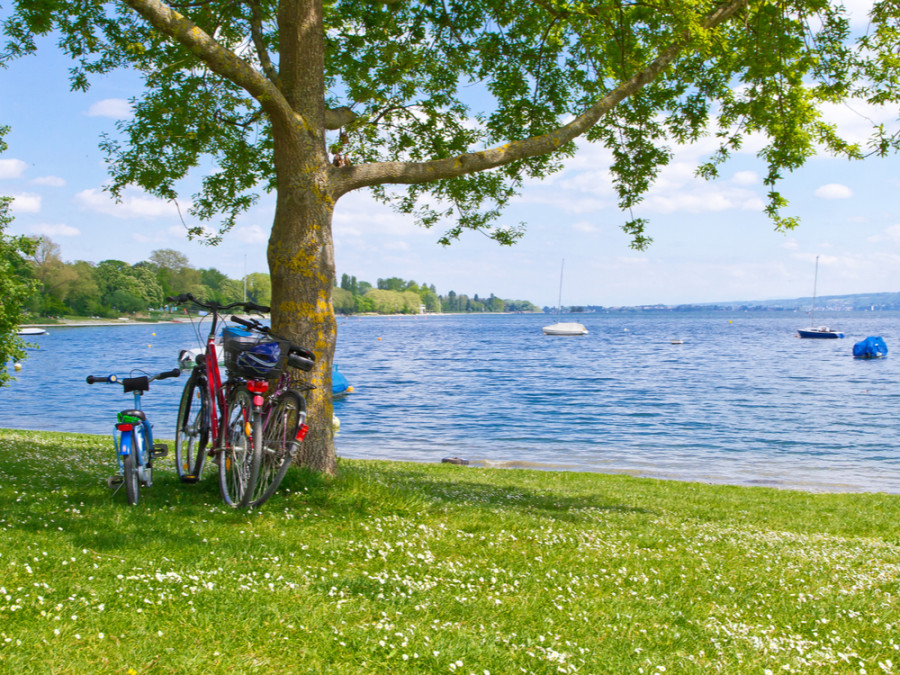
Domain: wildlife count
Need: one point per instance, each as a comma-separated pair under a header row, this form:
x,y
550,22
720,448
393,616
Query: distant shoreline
x,y
102,322
610,312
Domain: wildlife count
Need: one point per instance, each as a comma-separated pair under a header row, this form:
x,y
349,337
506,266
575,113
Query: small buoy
x,y
729,320
455,460
148,346
18,367
349,390
153,334
379,339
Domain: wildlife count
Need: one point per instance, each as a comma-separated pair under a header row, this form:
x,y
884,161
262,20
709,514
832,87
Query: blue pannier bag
x,y
870,348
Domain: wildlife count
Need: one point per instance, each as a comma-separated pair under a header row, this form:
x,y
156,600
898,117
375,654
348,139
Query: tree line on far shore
x,y
399,296
113,287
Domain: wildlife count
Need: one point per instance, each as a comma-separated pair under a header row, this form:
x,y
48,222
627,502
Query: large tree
x,y
442,108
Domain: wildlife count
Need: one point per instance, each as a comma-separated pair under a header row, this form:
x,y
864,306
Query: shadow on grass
x,y
76,505
418,488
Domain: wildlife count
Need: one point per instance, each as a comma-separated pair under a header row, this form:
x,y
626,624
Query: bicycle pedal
x,y
159,450
114,481
189,479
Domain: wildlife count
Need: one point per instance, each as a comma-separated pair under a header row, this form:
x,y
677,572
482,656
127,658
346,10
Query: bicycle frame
x,y
135,438
214,384
133,435
217,389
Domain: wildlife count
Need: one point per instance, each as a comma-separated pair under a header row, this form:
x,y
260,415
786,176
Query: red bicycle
x,y
252,436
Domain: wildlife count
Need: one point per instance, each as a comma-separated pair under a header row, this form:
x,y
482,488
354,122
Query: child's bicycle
x,y
133,436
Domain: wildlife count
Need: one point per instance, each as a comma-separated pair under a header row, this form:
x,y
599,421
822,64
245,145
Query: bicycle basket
x,y
252,356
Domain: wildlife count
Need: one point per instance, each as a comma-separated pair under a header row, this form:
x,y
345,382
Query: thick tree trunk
x,y
301,250
301,264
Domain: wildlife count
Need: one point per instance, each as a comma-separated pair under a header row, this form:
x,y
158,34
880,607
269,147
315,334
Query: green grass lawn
x,y
395,567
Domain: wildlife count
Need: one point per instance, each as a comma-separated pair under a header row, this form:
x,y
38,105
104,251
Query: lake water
x,y
742,401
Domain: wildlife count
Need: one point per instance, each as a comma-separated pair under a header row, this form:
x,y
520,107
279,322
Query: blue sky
x,y
712,241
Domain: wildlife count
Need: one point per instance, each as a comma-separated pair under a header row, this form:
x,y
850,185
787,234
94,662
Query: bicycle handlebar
x,y
251,324
109,379
216,306
257,326
114,379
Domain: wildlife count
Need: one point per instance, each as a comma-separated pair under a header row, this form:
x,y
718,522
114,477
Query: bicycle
x,y
232,417
284,418
133,436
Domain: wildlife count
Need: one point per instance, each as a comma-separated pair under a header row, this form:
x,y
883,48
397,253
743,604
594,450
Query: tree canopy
x,y
444,110
15,285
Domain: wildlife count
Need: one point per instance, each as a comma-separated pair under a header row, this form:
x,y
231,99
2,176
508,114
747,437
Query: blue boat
x,y
872,347
820,332
340,387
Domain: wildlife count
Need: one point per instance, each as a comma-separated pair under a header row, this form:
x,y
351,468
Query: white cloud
x,y
566,201
50,181
134,204
359,215
116,108
855,121
180,232
59,230
834,191
679,190
585,226
397,245
690,203
745,178
858,11
891,234
251,234
12,168
26,202
593,182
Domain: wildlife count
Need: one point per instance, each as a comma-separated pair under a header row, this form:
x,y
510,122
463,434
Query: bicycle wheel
x,y
282,418
239,457
132,483
192,429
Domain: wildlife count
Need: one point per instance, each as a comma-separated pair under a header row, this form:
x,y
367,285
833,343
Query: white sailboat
x,y
817,331
563,327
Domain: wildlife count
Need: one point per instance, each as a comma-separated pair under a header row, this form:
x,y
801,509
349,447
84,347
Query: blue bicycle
x,y
133,436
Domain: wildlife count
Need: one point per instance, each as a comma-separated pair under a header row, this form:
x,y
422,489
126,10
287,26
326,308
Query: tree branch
x,y
256,33
220,60
335,118
349,178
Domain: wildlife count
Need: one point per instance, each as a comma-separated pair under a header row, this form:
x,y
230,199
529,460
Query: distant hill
x,y
868,302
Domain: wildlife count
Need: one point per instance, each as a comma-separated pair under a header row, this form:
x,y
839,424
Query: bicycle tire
x,y
132,482
282,419
240,453
192,429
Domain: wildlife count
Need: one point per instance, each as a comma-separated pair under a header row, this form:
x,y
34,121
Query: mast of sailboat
x,y
559,302
812,311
